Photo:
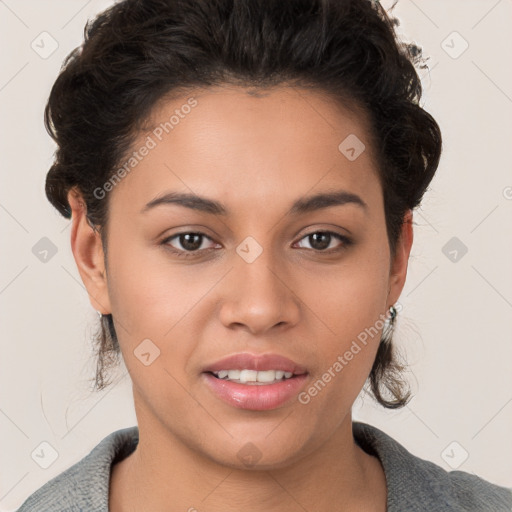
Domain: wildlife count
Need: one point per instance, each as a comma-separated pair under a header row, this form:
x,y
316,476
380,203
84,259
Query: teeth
x,y
253,376
233,374
266,376
248,376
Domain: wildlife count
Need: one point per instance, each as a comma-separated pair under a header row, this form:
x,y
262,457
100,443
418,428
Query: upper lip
x,y
259,362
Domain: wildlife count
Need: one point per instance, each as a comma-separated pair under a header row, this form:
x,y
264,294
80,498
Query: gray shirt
x,y
413,484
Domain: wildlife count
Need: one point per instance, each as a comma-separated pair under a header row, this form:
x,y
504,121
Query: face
x,y
254,270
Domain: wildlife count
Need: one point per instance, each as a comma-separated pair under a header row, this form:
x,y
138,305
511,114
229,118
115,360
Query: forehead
x,y
244,145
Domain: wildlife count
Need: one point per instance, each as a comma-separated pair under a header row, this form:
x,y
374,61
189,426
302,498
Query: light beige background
x,y
457,319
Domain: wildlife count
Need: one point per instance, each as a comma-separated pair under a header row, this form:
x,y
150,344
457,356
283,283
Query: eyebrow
x,y
303,205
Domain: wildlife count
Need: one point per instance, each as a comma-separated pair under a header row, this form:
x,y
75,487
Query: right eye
x,y
190,241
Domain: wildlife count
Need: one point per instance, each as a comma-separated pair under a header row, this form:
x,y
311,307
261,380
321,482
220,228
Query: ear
x,y
88,252
398,270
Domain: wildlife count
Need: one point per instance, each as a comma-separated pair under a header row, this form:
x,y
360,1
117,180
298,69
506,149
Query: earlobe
x,y
88,253
399,265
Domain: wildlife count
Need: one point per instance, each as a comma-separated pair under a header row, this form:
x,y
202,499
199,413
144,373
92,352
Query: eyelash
x,y
190,254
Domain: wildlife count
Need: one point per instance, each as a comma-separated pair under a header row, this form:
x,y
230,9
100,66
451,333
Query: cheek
x,y
156,299
349,297
149,294
348,304
151,304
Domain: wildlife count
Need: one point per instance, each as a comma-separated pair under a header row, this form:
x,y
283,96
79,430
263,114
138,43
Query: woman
x,y
241,178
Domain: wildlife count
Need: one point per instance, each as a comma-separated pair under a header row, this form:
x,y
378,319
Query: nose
x,y
258,296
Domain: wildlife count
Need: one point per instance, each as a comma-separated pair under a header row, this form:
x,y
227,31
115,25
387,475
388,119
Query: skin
x,y
256,154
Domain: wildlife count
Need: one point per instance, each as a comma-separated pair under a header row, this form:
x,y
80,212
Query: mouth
x,y
254,377
255,382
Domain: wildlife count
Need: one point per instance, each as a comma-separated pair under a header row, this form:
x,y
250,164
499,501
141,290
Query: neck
x,y
163,470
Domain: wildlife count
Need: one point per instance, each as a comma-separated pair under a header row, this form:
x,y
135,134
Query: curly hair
x,y
138,52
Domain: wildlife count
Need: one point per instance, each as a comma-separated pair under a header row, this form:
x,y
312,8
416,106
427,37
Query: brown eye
x,y
188,242
322,240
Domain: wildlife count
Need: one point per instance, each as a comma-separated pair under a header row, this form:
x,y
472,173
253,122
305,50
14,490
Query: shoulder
x,y
415,484
85,485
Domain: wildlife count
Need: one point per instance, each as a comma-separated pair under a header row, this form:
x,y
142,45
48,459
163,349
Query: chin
x,y
260,450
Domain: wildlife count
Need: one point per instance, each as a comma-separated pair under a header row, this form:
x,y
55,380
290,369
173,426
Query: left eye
x,y
321,240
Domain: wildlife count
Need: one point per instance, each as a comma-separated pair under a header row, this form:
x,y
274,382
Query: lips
x,y
250,395
262,362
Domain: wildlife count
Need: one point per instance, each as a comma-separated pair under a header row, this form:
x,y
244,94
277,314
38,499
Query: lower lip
x,y
255,397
